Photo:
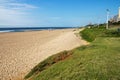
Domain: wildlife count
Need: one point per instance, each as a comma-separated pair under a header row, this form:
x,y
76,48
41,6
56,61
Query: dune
x,y
21,51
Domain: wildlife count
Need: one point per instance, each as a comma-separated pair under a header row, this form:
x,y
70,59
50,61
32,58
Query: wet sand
x,y
21,51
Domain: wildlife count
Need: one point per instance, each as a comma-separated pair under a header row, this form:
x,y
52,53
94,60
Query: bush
x,y
90,34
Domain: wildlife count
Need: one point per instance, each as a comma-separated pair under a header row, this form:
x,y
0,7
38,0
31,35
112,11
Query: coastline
x,y
25,29
21,51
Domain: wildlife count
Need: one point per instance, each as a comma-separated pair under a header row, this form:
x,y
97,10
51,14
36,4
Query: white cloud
x,y
19,6
14,13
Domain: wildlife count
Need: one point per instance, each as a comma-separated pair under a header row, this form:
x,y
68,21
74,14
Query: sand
x,y
21,51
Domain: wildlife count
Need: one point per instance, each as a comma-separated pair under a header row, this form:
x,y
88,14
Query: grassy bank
x,y
49,62
98,61
91,34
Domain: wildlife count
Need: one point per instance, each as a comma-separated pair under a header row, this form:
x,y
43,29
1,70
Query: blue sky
x,y
57,13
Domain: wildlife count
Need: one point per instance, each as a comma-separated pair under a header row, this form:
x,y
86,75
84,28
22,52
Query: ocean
x,y
23,29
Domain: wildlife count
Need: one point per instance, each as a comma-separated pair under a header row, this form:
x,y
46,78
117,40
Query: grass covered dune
x,y
100,60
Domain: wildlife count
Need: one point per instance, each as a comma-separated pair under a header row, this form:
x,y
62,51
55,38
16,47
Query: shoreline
x,y
21,51
12,31
27,29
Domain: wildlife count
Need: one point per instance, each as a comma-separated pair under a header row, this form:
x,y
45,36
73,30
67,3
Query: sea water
x,y
22,29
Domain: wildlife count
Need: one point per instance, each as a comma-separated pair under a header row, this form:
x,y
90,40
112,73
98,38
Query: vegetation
x,y
49,62
90,34
114,23
98,61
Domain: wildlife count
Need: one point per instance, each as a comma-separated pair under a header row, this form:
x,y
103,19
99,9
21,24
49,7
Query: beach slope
x,y
21,51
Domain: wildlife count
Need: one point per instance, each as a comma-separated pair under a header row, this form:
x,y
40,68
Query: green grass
x,y
49,62
90,34
98,61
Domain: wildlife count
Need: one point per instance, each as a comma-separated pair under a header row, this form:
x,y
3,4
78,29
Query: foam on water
x,y
6,31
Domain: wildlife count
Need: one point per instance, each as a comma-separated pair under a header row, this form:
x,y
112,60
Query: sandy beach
x,y
21,51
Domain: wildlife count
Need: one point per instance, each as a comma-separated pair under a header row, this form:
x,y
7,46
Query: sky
x,y
55,13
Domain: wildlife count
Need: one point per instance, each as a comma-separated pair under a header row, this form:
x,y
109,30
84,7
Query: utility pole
x,y
119,13
107,19
98,22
